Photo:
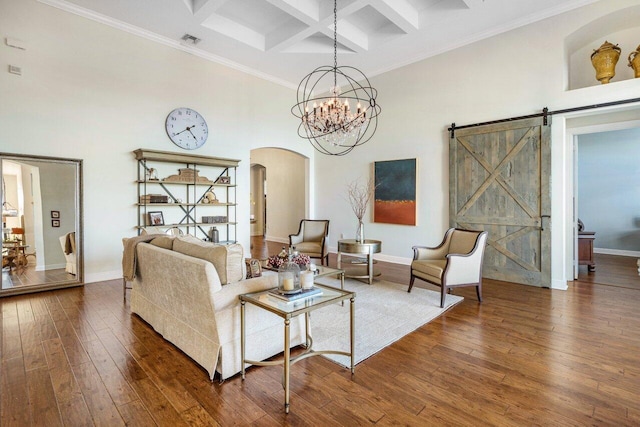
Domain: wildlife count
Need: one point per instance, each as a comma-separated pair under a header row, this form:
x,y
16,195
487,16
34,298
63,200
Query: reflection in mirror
x,y
41,223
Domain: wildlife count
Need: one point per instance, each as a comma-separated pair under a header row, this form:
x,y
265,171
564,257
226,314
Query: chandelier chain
x,y
335,43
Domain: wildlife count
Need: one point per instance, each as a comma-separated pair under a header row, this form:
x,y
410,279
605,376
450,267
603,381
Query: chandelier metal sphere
x,y
343,117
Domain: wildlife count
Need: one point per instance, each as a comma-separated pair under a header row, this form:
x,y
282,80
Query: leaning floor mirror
x,y
41,223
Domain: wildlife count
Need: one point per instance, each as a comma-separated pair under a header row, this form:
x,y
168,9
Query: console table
x,y
353,247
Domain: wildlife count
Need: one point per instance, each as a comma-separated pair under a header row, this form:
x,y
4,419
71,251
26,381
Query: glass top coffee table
x,y
288,310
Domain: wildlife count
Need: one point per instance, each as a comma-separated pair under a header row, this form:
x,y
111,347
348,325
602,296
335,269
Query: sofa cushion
x,y
165,242
227,259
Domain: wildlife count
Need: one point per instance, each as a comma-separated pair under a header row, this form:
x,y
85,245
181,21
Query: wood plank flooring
x,y
525,356
26,276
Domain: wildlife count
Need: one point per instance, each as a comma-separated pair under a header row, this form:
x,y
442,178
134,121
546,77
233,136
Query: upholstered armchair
x,y
457,261
311,239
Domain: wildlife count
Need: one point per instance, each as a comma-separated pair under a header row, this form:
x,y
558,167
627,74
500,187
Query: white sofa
x,y
181,296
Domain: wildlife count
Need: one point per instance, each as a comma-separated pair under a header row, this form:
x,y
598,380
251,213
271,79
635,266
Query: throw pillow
x,y
227,259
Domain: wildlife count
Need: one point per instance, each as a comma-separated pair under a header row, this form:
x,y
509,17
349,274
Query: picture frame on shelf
x,y
55,214
225,179
55,223
156,218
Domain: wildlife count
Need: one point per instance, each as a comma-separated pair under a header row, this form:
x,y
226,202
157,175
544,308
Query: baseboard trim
x,y
50,267
559,284
619,252
102,276
276,239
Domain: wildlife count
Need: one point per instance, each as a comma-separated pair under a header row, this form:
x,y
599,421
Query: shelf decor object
x,y
634,62
289,277
327,119
604,60
189,176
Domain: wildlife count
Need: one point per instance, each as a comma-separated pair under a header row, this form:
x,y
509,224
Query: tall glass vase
x,y
360,232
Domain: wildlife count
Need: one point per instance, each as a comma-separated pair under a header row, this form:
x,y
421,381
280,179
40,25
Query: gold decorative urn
x,y
634,61
604,60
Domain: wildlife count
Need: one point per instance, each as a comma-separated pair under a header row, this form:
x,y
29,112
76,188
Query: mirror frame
x,y
79,280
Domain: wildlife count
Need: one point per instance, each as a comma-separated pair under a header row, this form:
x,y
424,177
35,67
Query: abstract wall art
x,y
395,191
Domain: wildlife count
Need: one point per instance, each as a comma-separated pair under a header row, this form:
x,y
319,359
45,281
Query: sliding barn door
x,y
499,182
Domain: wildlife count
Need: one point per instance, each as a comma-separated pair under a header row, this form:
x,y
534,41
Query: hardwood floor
x,y
25,276
525,356
612,270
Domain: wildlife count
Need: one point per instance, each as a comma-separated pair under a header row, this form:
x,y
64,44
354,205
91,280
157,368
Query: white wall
x,y
91,92
57,190
608,190
515,73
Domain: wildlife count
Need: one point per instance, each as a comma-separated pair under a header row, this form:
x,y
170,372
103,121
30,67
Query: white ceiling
x,y
283,40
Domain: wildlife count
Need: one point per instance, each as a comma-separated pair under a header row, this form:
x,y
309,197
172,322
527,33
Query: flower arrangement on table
x,y
276,261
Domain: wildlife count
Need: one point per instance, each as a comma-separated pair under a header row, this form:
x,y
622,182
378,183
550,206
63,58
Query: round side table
x,y
352,247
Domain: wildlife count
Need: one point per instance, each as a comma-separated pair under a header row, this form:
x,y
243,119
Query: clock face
x,y
187,128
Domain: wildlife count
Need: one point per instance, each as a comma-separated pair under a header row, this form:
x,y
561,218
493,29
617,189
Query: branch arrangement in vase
x,y
359,197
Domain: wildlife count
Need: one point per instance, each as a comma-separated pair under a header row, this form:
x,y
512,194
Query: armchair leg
x,y
479,292
411,282
443,293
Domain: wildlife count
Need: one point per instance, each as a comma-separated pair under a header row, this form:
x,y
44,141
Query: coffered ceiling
x,y
283,40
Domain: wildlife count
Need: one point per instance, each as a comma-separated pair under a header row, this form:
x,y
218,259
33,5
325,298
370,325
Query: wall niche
x,y
620,28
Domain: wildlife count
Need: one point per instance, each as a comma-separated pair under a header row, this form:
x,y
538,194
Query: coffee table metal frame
x,y
289,310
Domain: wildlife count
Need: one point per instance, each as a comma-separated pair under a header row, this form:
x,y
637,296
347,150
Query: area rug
x,y
385,312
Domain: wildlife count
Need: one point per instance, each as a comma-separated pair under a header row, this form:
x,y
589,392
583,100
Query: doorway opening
x,y
279,193
258,200
580,191
607,200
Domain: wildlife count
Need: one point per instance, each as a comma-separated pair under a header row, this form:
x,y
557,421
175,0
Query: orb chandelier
x,y
344,117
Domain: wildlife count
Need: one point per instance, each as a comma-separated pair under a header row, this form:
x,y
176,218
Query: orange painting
x,y
395,212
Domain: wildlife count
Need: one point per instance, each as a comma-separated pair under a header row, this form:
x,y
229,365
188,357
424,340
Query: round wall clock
x,y
187,128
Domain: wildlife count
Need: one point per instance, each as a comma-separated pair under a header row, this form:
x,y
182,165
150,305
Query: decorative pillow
x,y
227,259
165,242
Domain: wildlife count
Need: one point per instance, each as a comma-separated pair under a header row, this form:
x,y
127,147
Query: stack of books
x,y
305,293
154,198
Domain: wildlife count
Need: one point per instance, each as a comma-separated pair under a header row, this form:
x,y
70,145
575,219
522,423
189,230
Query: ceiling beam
x,y
307,11
205,8
470,4
400,12
232,29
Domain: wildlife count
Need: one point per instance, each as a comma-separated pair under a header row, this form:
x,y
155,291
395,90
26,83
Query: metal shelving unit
x,y
185,208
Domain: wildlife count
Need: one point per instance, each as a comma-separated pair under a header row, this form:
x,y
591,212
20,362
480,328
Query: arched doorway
x,y
279,192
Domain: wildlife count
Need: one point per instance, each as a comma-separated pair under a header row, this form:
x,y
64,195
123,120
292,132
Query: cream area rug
x,y
385,312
